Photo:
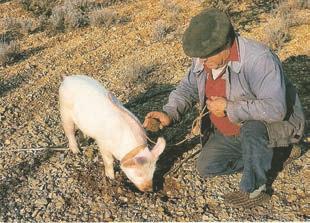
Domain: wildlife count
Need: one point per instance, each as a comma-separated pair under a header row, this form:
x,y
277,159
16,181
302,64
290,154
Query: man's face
x,y
218,60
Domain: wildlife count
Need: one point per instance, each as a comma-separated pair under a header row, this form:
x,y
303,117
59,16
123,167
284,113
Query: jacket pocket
x,y
280,133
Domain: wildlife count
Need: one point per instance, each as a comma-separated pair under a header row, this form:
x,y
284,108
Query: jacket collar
x,y
236,65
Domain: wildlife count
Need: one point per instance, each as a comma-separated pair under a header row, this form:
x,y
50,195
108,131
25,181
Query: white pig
x,y
85,104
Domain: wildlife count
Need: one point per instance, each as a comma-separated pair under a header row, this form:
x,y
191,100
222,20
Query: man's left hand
x,y
217,106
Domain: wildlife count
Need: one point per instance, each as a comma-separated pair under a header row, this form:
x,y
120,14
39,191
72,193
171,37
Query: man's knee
x,y
211,168
202,169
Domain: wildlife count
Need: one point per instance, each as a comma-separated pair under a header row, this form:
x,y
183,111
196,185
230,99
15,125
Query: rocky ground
x,y
141,67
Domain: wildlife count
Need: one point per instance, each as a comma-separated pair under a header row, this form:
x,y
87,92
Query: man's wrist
x,y
169,116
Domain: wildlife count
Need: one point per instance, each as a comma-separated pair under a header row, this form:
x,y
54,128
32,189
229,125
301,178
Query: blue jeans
x,y
247,152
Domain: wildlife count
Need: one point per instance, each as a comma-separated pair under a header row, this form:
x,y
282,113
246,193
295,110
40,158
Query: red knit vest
x,y
217,87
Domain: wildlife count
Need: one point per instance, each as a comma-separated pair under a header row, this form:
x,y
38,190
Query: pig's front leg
x,y
69,130
108,162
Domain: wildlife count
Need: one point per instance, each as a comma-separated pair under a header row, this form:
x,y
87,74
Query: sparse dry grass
x,y
283,16
69,16
39,7
15,29
105,3
8,51
135,69
161,30
277,33
62,15
224,5
171,6
102,17
303,4
27,26
57,19
22,26
12,24
75,14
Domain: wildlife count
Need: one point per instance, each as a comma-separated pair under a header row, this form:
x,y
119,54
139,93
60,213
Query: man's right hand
x,y
155,120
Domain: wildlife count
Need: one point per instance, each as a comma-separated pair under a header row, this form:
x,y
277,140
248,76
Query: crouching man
x,y
253,108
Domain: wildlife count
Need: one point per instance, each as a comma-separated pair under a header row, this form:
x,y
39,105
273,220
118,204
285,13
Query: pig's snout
x,y
147,186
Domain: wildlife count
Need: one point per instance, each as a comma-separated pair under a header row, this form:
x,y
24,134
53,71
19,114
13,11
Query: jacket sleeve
x,y
266,80
182,98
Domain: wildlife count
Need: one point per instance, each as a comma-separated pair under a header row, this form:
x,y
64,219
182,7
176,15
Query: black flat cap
x,y
208,33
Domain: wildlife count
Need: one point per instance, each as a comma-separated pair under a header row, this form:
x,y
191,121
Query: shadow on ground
x,y
17,175
4,1
13,82
297,69
24,55
153,100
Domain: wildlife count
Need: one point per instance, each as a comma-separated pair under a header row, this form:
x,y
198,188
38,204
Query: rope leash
x,y
37,149
58,148
195,131
53,148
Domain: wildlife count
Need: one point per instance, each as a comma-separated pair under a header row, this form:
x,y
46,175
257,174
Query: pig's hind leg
x,y
107,161
69,130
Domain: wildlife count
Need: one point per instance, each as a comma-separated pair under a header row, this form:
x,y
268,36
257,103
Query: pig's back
x,y
88,101
92,111
82,86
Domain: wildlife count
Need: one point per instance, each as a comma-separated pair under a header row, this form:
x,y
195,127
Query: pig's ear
x,y
142,157
159,147
139,160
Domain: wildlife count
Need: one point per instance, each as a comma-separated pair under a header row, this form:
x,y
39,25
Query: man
x,y
252,106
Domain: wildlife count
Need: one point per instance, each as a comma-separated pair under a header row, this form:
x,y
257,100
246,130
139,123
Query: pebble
x,y
119,190
59,202
160,209
107,214
41,202
291,198
89,153
34,214
208,217
305,210
180,213
125,199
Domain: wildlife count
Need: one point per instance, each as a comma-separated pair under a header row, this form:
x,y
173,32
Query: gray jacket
x,y
256,89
